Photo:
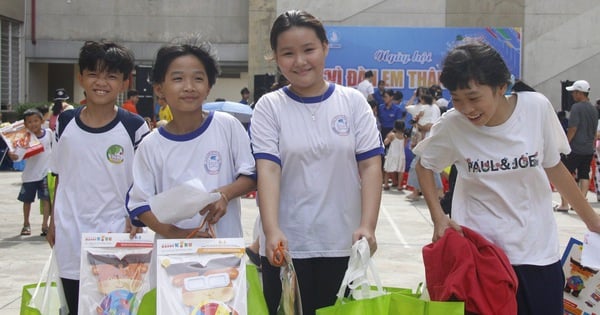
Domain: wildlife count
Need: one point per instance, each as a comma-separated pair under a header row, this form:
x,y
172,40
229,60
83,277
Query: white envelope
x,y
590,255
182,201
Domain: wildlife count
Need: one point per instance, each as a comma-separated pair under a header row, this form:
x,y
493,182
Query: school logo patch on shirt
x,y
339,124
212,162
115,154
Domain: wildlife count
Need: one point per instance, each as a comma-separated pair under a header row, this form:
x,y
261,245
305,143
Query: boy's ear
x,y
158,90
125,85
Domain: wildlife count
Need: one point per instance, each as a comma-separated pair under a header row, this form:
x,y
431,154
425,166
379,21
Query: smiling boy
x,y
93,159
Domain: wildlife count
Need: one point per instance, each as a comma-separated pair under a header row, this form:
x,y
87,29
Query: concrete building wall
x,y
13,9
561,43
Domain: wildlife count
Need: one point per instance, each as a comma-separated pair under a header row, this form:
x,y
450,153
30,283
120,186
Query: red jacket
x,y
473,270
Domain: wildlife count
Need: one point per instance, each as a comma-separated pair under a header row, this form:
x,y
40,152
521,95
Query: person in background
x,y
46,114
507,151
388,113
164,111
93,159
440,101
395,160
318,193
425,113
564,121
379,91
60,105
34,175
366,86
581,134
133,97
245,96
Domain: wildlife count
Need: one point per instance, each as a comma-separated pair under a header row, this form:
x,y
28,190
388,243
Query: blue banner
x,y
406,58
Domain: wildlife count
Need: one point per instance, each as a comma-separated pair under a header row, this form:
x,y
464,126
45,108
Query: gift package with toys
x,y
582,283
114,274
201,276
21,141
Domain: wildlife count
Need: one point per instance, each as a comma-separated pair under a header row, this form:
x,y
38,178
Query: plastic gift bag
x,y
256,298
290,302
114,272
181,202
46,297
201,276
366,298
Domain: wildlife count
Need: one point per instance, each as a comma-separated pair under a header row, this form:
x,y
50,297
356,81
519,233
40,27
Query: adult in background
x,y
59,106
388,112
366,86
581,133
378,92
133,97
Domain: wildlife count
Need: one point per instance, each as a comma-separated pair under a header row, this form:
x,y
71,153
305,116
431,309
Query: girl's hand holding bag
x,y
366,299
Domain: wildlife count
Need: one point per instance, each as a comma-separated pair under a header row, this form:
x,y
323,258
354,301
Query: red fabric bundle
x,y
473,270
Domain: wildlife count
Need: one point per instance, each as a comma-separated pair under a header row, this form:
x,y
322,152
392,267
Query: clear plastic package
x,y
114,272
201,276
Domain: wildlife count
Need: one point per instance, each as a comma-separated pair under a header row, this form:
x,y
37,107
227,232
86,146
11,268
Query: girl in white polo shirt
x,y
318,156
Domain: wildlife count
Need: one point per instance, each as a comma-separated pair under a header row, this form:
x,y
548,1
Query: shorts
x,y
540,289
29,189
579,164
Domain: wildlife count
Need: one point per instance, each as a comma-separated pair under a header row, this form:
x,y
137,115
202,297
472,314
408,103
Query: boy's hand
x,y
50,234
132,229
215,210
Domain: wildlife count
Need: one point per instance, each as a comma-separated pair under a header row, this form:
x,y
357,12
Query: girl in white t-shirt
x,y
505,150
318,153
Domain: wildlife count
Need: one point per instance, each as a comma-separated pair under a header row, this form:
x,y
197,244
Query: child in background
x,y
34,175
507,151
93,157
211,146
164,112
395,159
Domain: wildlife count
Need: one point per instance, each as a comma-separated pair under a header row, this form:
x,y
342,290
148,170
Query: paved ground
x,y
404,228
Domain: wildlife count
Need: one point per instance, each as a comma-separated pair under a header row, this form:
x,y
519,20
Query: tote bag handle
x,y
356,275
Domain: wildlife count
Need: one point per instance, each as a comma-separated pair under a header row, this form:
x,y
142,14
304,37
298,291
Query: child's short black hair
x,y
475,61
106,56
31,112
183,47
398,96
399,125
